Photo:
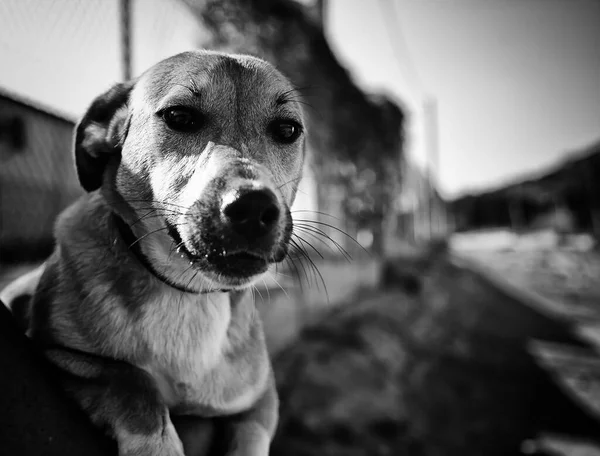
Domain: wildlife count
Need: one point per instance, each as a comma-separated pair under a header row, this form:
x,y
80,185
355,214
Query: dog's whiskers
x,y
309,244
176,247
279,273
267,288
297,251
151,201
151,215
144,236
297,211
319,232
312,266
322,237
193,276
171,250
149,207
308,222
290,262
182,275
279,285
295,96
259,293
193,90
302,254
290,182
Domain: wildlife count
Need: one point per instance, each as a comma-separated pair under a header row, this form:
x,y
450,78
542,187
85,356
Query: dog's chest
x,y
186,338
183,335
185,331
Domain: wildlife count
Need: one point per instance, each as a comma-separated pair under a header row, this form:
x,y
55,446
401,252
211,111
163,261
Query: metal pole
x,y
321,8
432,145
125,16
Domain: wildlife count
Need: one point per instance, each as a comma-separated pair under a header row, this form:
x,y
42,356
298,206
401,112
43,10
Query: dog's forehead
x,y
203,71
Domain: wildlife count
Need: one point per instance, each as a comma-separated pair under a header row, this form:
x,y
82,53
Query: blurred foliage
x,y
355,139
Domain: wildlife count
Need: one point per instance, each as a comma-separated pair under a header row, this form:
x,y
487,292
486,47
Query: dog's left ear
x,y
100,134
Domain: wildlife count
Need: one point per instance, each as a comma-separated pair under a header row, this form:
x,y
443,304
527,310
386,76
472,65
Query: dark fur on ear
x,y
100,134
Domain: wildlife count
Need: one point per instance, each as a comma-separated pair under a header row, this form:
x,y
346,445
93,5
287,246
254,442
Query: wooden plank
x,y
561,445
590,333
575,370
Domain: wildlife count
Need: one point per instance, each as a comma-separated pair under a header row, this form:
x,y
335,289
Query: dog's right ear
x,y
100,134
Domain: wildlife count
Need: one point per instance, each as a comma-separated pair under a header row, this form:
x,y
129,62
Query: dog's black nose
x,y
251,213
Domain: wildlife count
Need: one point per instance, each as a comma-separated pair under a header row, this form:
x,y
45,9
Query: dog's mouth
x,y
237,264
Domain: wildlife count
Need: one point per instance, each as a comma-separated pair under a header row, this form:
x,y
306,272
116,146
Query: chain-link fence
x,y
57,55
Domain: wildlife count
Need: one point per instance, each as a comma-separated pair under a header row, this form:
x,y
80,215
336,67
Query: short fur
x,y
176,334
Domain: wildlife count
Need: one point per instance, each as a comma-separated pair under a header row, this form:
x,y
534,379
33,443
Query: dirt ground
x,y
563,281
440,370
569,278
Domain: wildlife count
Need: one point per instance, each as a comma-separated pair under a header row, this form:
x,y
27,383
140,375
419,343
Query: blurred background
x,y
446,298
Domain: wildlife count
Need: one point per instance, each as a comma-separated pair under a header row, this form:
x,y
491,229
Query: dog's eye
x,y
180,118
285,131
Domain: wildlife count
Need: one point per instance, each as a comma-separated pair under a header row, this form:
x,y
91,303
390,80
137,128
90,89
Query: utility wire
x,y
393,27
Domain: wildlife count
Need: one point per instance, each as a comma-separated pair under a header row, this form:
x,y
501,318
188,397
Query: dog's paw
x,y
259,447
165,443
248,452
151,447
249,439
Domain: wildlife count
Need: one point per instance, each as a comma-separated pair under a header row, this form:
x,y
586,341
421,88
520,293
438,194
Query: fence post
x,y
125,17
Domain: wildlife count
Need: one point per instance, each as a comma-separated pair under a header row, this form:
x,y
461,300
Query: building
x,y
37,175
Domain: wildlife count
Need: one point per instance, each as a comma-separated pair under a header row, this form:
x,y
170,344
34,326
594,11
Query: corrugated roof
x,y
36,105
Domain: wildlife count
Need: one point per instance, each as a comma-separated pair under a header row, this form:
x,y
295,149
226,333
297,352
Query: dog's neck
x,y
135,248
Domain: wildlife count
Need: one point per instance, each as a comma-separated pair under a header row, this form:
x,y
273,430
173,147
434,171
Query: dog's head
x,y
201,156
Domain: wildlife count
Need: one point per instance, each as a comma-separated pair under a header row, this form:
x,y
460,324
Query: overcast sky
x,y
517,82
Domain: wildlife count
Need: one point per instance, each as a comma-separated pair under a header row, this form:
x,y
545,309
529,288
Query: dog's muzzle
x,y
235,232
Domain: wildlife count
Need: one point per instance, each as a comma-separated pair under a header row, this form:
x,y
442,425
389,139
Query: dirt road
x,y
444,372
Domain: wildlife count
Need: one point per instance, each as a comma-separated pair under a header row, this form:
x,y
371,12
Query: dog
x,y
144,305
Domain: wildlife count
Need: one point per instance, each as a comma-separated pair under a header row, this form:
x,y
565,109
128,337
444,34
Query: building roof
x,y
37,106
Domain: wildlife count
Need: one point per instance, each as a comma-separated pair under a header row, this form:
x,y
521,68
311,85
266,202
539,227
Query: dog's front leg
x,y
122,399
250,433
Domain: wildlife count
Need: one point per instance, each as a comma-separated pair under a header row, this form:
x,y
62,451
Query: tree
x,y
351,134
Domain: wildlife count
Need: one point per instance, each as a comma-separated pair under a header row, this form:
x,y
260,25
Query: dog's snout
x,y
252,213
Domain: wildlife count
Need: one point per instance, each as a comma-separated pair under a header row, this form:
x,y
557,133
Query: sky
x,y
63,53
516,82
